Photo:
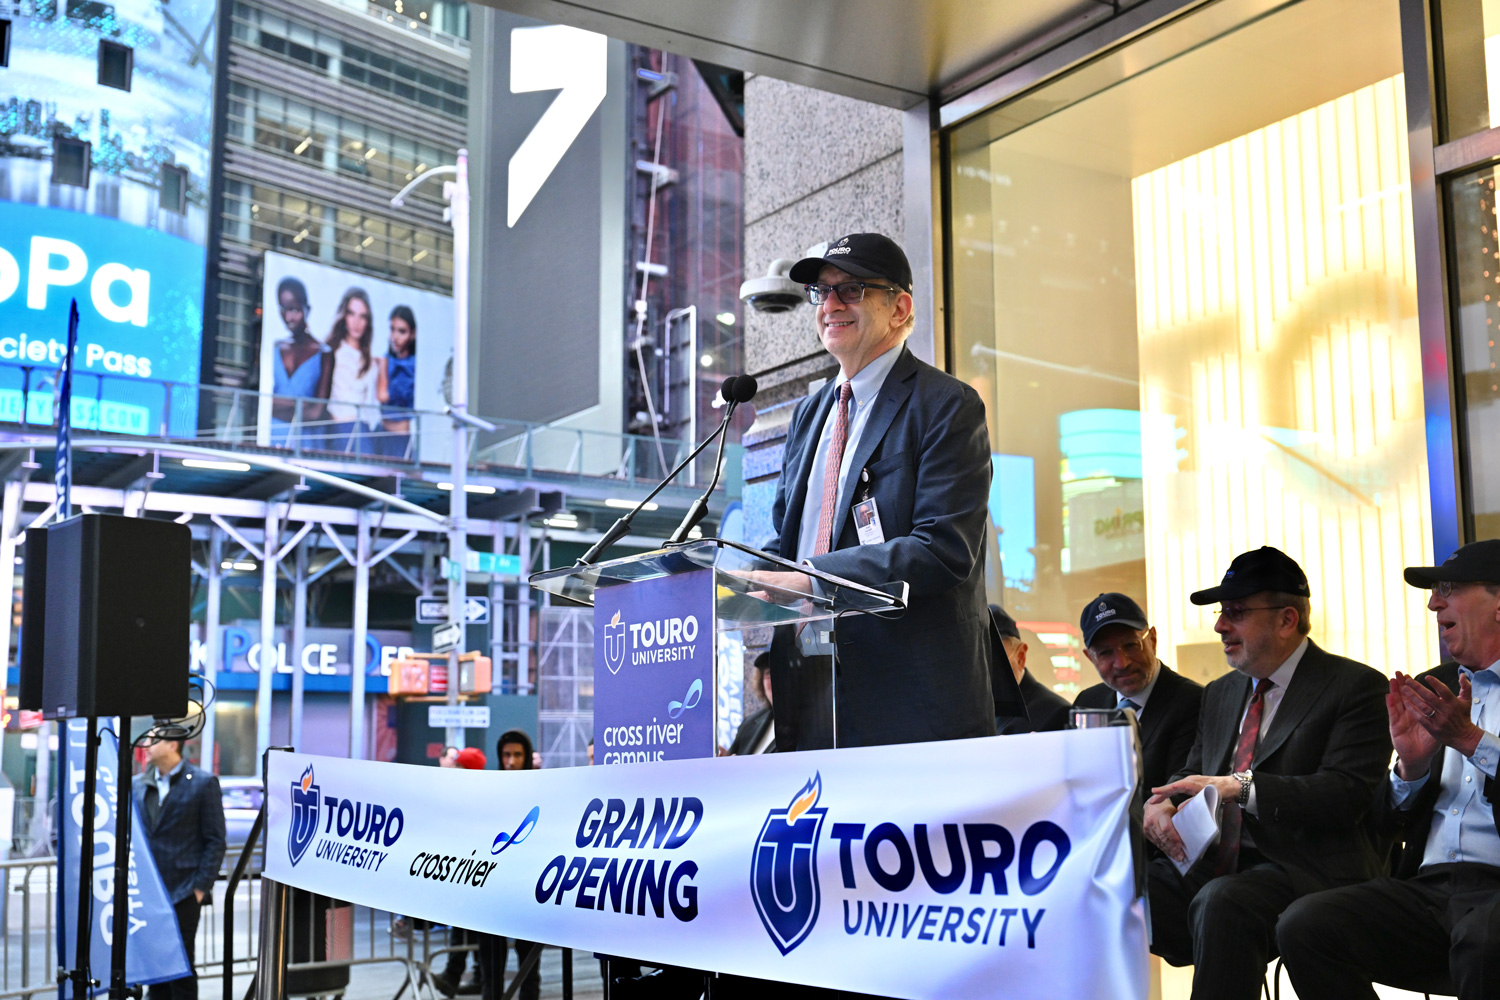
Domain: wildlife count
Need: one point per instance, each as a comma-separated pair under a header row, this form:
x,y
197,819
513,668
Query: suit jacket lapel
x,y
1226,726
799,465
1159,705
1307,686
888,401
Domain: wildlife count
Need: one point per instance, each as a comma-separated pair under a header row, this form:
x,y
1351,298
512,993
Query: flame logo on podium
x,y
304,826
614,644
784,868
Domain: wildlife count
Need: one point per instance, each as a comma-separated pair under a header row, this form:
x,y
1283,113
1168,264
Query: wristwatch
x,y
1244,778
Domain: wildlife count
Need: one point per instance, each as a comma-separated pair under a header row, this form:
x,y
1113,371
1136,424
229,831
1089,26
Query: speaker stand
x,y
80,976
118,987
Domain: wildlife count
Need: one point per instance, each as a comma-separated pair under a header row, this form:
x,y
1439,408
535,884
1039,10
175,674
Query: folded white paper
x,y
1197,823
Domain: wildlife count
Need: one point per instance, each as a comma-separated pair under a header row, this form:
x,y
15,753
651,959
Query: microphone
x,y
733,388
742,391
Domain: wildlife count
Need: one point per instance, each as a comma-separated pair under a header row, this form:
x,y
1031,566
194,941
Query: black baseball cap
x,y
1265,568
1004,623
1110,609
864,255
1477,562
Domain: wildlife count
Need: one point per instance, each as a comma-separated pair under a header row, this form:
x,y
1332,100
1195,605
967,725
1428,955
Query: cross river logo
x,y
662,641
347,825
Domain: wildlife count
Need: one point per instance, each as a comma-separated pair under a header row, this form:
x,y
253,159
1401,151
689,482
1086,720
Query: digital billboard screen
x,y
124,231
348,358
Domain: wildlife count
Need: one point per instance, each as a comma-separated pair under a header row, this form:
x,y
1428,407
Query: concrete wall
x,y
817,167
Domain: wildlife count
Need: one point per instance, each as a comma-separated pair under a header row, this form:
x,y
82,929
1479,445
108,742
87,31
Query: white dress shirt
x,y
866,385
1463,823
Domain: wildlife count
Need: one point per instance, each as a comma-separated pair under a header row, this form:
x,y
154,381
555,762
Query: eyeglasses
x,y
1130,647
849,292
1235,613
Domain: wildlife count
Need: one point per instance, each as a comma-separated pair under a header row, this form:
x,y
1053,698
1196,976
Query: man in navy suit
x,y
886,478
1121,645
182,810
1295,741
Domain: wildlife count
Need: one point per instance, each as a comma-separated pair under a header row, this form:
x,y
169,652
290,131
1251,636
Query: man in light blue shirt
x,y
1435,926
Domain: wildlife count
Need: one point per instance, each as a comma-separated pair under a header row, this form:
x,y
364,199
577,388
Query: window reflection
x,y
1190,306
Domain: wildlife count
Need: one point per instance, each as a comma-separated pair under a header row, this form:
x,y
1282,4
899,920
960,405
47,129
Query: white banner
x,y
935,870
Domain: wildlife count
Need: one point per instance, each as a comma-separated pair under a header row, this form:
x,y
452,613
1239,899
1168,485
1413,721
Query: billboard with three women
x,y
355,365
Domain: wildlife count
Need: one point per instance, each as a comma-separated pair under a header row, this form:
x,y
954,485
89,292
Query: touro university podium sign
x,y
945,874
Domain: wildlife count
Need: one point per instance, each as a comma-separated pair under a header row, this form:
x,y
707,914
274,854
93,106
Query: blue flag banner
x,y
155,953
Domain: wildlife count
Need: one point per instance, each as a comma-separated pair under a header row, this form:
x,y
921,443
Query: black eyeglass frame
x,y
817,291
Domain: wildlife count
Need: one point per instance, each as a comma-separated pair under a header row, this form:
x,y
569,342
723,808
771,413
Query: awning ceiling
x,y
892,52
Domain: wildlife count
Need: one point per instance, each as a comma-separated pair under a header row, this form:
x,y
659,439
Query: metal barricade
x,y
322,937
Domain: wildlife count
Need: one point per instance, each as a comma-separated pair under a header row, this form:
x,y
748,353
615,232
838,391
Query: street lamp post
x,y
456,194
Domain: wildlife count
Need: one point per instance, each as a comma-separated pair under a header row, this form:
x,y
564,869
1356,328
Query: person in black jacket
x,y
1122,647
182,810
1295,741
513,752
757,733
1435,926
1046,710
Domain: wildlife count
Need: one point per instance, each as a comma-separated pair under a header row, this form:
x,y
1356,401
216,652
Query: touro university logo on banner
x,y
304,825
784,868
614,644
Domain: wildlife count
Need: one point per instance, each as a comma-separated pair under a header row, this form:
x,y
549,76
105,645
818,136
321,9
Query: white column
x,y
299,639
268,659
357,661
213,640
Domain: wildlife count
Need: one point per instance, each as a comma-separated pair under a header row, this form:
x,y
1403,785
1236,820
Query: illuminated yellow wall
x,y
1280,374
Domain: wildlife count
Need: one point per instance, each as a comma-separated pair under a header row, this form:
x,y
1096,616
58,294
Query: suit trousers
x,y
1225,927
188,908
492,955
1438,932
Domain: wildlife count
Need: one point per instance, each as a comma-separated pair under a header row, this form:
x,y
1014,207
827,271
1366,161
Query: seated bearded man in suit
x,y
1294,741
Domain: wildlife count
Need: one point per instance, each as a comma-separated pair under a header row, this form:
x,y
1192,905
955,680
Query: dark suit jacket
x,y
1409,827
926,451
1169,722
1316,768
188,838
1047,710
750,732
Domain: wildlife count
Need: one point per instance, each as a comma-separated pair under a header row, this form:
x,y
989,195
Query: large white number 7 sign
x,y
555,57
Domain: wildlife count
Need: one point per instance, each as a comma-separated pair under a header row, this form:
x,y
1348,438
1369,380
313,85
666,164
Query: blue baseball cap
x,y
1110,609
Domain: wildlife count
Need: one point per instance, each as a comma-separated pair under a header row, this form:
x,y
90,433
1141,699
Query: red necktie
x,y
1228,858
831,471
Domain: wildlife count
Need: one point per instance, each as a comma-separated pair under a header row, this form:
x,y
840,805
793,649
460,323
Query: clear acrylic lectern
x,y
669,637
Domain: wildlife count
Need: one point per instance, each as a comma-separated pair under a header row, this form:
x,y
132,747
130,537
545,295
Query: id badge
x,y
867,523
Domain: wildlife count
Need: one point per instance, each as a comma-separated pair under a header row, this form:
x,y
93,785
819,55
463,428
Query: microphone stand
x,y
621,527
700,506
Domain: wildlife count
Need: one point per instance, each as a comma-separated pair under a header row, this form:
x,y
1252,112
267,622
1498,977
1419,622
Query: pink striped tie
x,y
831,471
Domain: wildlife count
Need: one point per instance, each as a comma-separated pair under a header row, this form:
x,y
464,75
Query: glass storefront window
x,y
1475,233
1469,36
1189,303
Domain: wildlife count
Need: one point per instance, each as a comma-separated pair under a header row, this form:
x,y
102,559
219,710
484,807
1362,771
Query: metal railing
x,y
325,939
304,428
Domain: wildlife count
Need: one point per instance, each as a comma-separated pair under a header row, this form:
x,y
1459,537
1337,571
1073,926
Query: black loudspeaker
x,y
118,600
33,611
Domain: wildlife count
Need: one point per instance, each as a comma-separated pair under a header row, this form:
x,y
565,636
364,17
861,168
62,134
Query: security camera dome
x,y
775,292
